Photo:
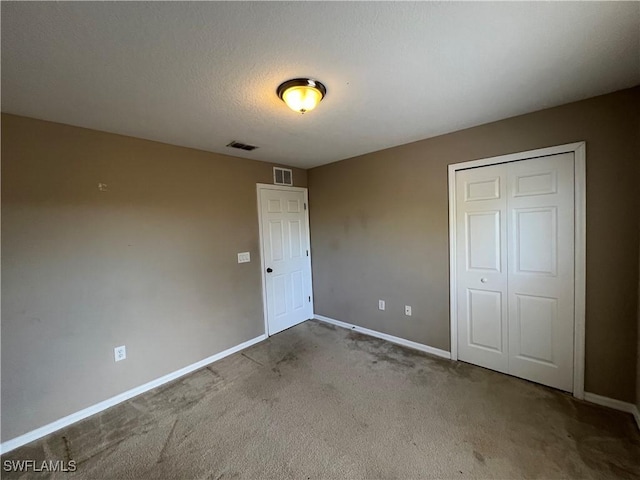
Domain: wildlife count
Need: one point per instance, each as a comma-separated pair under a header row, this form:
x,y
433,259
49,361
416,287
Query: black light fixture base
x,y
301,82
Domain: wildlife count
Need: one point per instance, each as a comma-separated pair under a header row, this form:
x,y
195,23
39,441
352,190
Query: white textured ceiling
x,y
203,74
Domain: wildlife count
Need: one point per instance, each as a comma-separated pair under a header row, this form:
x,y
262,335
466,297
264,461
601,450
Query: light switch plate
x,y
381,305
407,310
244,257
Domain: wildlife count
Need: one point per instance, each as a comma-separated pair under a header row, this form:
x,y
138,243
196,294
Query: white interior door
x,y
286,258
515,268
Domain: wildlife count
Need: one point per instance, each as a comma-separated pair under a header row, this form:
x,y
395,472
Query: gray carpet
x,y
322,402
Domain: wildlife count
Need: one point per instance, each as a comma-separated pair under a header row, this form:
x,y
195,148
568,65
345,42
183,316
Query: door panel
x,y
539,183
293,206
485,189
285,250
295,234
541,266
483,240
279,295
535,317
536,242
515,264
298,292
482,278
276,241
484,317
274,205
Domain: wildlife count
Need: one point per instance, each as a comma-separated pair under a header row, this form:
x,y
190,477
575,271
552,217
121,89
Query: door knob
x,y
483,280
269,270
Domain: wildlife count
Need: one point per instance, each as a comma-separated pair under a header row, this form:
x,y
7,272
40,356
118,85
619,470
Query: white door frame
x,y
580,211
267,186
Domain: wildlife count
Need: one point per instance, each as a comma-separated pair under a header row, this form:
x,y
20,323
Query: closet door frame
x,y
580,213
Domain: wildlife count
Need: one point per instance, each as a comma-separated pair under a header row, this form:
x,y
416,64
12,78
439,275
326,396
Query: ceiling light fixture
x,y
301,94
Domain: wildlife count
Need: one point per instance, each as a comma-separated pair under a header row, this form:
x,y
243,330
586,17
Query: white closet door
x,y
541,278
481,266
515,264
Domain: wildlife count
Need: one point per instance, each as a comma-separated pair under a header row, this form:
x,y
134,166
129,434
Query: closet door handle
x,y
269,270
484,280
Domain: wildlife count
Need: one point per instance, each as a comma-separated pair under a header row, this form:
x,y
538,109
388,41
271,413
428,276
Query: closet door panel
x,y
481,266
540,209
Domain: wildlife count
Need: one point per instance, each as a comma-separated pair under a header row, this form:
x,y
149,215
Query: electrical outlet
x,y
244,257
407,310
120,353
381,305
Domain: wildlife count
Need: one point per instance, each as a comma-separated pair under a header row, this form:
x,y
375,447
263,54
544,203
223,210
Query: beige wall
x,y
150,264
379,230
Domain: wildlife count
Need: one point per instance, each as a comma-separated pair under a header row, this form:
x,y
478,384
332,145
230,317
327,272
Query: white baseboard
x,y
615,404
387,337
98,407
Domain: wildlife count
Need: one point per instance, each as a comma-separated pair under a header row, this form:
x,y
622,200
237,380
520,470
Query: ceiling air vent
x,y
282,176
241,146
